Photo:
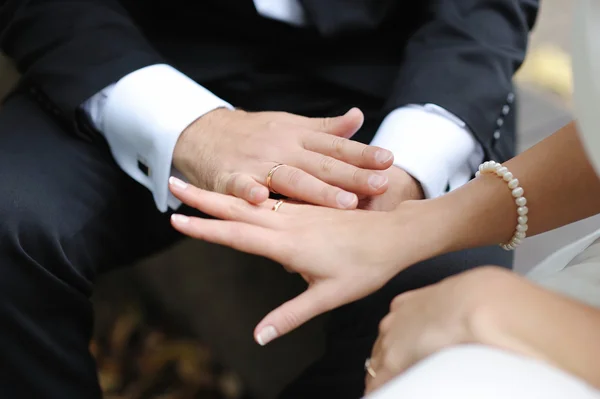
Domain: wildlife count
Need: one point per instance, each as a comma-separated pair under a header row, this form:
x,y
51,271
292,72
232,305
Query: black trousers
x,y
67,213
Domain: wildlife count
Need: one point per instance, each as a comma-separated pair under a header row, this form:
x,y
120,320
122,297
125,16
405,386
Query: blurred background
x,y
179,325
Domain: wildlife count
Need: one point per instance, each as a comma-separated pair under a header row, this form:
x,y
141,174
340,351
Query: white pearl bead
x,y
514,183
518,192
520,234
521,201
522,227
522,219
507,176
477,174
515,241
522,210
501,171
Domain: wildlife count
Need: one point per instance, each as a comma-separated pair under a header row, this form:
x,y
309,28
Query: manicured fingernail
x,y
383,156
377,181
177,218
177,183
266,335
345,199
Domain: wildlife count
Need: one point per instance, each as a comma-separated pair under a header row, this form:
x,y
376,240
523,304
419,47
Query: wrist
x,y
498,305
187,152
481,213
430,237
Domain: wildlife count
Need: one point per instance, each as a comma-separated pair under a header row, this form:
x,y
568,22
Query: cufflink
x,y
142,165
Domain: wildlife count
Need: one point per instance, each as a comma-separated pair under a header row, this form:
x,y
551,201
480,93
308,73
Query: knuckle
x,y
397,302
390,361
290,320
234,211
294,177
324,123
358,176
231,184
328,194
327,164
384,325
235,236
273,125
367,152
338,145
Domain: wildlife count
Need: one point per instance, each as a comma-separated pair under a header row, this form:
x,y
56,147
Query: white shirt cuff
x,y
432,145
142,117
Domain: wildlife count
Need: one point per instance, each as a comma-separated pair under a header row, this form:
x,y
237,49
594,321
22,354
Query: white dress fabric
x,y
481,372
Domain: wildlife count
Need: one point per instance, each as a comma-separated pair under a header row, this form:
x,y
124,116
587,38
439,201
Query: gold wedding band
x,y
270,177
369,368
277,205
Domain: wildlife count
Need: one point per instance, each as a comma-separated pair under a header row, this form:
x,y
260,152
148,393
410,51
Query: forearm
x,y
560,185
521,317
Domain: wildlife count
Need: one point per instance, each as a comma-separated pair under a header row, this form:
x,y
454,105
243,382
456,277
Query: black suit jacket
x,y
459,54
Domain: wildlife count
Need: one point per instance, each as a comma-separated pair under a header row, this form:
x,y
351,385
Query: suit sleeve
x,y
463,59
67,51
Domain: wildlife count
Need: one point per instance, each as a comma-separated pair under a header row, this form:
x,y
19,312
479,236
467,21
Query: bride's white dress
x,y
480,372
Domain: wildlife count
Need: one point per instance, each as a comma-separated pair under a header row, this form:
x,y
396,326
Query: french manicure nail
x,y
377,181
345,199
383,156
266,335
177,183
177,218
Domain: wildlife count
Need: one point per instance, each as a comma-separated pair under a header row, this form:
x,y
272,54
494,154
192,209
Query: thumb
x,y
342,126
295,312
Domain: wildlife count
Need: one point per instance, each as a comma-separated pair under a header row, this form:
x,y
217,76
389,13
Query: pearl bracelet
x,y
492,167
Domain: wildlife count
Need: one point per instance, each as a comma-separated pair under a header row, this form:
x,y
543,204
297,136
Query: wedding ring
x,y
277,205
270,177
369,369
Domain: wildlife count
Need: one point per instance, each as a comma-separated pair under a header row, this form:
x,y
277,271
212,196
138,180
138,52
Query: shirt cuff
x,y
142,117
432,145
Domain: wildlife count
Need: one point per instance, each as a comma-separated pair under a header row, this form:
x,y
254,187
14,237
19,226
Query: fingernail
x,y
177,218
266,335
383,156
345,199
177,183
377,181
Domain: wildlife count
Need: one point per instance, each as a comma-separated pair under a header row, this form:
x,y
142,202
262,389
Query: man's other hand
x,y
402,187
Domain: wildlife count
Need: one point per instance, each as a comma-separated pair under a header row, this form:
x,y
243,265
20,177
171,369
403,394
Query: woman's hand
x,y
233,152
344,255
467,308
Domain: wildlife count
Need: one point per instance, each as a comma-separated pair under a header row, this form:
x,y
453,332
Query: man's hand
x,y
232,152
402,187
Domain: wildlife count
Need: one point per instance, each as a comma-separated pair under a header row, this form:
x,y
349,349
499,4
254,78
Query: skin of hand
x,y
350,263
490,306
401,187
232,152
427,320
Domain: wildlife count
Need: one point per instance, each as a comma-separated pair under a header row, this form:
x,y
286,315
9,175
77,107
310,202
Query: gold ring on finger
x,y
369,368
270,177
277,205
